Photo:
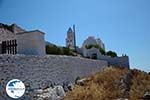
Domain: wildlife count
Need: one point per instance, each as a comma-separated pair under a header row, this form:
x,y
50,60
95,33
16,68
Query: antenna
x,y
97,35
74,37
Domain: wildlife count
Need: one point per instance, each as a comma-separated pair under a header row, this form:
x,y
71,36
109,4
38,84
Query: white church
x,y
91,40
93,52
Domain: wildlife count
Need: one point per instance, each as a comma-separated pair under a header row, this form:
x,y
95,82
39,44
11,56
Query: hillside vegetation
x,y
53,49
111,84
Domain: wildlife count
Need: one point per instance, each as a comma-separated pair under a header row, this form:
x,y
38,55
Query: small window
x,y
94,56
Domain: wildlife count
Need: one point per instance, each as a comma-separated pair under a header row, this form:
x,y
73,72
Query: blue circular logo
x,y
15,88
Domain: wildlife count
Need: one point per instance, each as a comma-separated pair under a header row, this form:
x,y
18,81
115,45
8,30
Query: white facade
x,y
99,41
31,43
92,41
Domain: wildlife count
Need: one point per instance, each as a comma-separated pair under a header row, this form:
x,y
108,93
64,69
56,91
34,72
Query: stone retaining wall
x,y
116,61
35,70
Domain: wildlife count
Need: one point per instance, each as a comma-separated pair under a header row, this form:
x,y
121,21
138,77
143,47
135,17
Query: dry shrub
x,y
140,84
102,86
105,85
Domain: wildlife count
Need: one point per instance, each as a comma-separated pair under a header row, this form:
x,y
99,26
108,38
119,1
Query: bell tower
x,y
71,39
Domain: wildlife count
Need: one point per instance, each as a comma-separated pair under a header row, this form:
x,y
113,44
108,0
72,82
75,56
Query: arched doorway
x,y
94,56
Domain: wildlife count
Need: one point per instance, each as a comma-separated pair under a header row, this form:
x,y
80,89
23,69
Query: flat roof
x,y
30,32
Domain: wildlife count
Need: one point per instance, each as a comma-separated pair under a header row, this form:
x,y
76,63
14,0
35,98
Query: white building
x,y
15,40
92,52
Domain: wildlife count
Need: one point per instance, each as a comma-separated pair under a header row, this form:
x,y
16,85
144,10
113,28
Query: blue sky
x,y
123,25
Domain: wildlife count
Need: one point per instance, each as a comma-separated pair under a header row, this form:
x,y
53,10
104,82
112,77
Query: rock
x,y
60,91
56,93
40,91
147,95
81,82
122,99
68,86
125,84
47,84
65,87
